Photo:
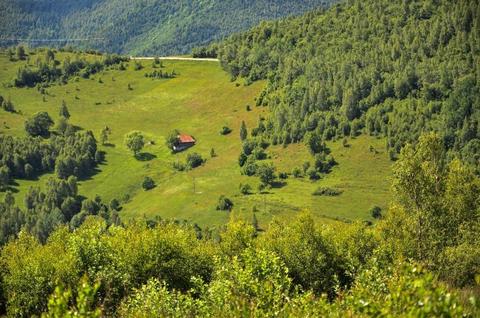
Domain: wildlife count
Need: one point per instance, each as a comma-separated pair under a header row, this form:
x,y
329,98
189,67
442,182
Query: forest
x,y
150,27
393,68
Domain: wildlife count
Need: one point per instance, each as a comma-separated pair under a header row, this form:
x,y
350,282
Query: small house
x,y
184,142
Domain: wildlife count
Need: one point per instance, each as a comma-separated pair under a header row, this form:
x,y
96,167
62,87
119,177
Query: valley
x,y
199,101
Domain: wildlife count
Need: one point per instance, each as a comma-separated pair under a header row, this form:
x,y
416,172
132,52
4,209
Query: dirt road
x,y
179,58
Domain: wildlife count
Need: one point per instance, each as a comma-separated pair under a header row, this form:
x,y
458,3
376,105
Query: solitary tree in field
x,y
10,55
255,222
104,135
134,141
148,183
7,105
49,56
243,131
64,110
266,173
21,53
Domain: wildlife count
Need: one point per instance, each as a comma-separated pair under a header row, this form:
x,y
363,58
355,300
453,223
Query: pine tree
x,y
255,222
7,105
243,131
4,177
64,110
21,53
104,135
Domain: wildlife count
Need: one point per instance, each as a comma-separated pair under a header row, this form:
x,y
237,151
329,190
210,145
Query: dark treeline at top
x,y
154,27
389,68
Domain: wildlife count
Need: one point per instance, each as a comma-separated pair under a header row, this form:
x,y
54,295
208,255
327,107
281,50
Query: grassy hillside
x,y
140,27
199,101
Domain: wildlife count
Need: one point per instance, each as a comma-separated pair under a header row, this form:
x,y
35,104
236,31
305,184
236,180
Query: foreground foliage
x,y
299,268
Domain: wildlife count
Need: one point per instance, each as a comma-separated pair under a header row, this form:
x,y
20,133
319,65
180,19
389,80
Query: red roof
x,y
185,138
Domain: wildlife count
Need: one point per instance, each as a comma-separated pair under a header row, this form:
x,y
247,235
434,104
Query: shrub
x,y
194,160
305,166
250,168
283,175
392,155
7,105
245,188
224,204
178,166
225,130
115,205
148,183
242,159
327,191
297,172
172,139
259,154
376,212
137,66
312,174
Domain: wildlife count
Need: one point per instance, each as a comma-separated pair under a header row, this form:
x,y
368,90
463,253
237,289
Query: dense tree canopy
x,y
154,27
390,68
39,124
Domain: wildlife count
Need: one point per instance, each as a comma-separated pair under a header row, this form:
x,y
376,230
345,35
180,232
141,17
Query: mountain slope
x,y
140,27
387,68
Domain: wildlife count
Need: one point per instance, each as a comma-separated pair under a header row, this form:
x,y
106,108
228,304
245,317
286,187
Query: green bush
x,y
224,204
327,191
376,212
194,160
225,130
148,183
245,189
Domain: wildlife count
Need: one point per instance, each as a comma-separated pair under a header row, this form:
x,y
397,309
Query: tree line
x,y
29,157
49,70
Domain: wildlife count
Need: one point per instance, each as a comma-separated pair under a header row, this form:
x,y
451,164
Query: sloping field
x,y
199,101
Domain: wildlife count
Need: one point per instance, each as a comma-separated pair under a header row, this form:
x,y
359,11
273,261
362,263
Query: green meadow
x,y
199,101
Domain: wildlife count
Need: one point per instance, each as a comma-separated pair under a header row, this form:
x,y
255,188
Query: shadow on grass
x,y
145,156
110,145
90,174
278,184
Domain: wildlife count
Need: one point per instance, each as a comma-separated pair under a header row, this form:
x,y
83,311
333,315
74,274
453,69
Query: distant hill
x,y
146,27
